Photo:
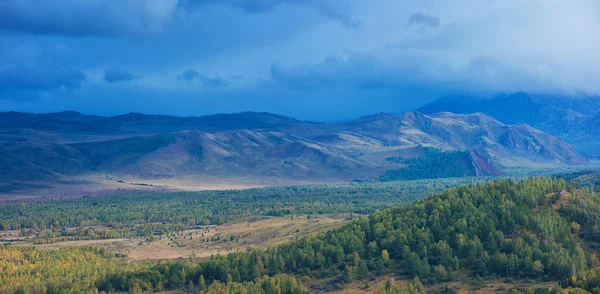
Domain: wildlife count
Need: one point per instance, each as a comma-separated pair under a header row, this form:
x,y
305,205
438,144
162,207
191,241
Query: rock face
x,y
59,146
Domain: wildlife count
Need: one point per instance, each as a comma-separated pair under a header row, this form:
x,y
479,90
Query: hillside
x,y
256,149
586,178
539,229
440,164
573,119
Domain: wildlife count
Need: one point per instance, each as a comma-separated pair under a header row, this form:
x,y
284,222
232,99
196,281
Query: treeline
x,y
529,229
434,164
156,213
586,178
190,276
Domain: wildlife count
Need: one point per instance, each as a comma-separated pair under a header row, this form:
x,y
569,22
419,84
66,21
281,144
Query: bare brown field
x,y
102,184
255,232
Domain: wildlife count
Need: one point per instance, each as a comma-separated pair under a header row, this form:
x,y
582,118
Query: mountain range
x,y
70,148
575,120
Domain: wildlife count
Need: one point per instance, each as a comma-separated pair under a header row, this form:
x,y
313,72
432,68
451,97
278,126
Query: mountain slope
x,y
574,120
490,138
265,148
441,164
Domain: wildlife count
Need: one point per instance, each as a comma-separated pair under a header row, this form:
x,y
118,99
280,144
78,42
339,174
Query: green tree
x,y
201,283
385,257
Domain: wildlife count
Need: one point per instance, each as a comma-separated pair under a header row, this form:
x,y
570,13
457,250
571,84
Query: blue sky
x,y
311,59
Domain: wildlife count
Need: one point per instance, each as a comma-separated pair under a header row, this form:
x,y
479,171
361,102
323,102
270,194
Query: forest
x,y
434,164
156,213
587,178
540,228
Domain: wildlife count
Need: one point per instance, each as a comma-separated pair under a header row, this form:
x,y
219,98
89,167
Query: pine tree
x,y
385,257
201,283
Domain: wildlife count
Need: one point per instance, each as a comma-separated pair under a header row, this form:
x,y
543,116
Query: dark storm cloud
x,y
90,17
123,17
191,75
334,9
116,75
421,21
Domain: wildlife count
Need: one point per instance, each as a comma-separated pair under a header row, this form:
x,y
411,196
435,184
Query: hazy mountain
x,y
575,120
261,146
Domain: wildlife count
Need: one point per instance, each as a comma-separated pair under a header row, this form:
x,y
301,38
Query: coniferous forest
x,y
541,229
433,164
147,214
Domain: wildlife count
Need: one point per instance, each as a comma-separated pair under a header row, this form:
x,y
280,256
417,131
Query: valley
x,y
505,236
243,202
201,243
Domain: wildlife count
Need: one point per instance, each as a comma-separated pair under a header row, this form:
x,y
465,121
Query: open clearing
x,y
103,184
255,232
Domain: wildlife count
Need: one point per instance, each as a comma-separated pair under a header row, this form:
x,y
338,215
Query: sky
x,y
311,59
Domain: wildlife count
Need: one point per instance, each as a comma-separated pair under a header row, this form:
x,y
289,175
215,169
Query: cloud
x,y
335,9
191,75
17,80
216,81
359,71
90,17
116,75
29,70
448,62
491,46
127,17
420,22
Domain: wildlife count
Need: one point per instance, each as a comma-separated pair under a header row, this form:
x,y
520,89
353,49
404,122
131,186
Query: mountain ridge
x,y
262,147
574,120
72,121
